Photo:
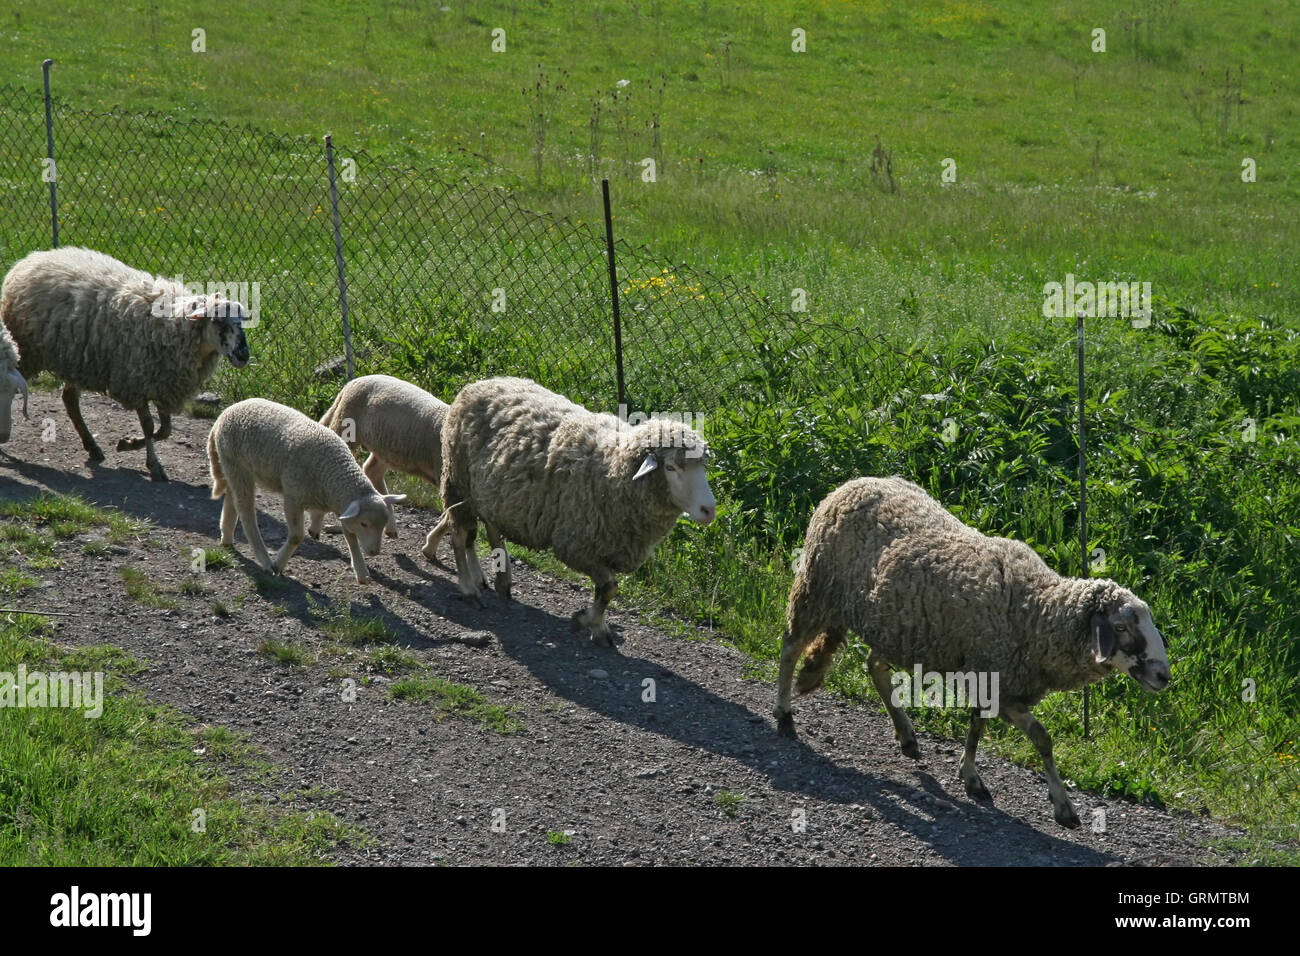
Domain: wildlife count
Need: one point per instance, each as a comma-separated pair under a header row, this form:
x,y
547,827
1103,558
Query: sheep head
x,y
223,326
367,517
680,456
1125,638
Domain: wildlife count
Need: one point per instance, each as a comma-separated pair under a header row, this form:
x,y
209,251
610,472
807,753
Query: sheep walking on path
x,y
539,470
259,444
928,594
400,424
101,326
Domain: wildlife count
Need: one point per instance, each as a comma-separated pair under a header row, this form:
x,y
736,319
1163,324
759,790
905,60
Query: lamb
x,y
259,444
11,382
546,473
925,591
104,327
400,425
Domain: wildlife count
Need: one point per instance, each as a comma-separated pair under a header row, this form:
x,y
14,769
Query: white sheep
x,y
259,444
400,424
546,473
11,382
102,326
927,593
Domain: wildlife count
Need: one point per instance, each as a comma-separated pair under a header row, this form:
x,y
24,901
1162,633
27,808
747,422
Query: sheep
x,y
400,425
924,591
11,382
259,444
548,474
102,326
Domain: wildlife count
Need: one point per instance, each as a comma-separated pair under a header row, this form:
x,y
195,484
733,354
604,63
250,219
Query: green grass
x,y
214,559
285,652
122,789
558,838
729,802
141,589
456,699
350,628
1121,165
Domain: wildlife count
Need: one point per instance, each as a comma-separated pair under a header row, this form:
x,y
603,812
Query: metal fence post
x,y
613,292
49,154
338,256
1083,499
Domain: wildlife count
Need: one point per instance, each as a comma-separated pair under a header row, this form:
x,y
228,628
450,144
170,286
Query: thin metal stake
x,y
338,256
613,292
1083,501
49,153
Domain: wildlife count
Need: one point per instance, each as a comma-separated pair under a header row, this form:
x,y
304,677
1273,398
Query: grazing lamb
x,y
104,327
546,473
11,382
400,424
259,444
923,590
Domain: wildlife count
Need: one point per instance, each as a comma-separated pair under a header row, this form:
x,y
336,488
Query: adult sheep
x,y
101,326
400,424
11,382
926,592
547,473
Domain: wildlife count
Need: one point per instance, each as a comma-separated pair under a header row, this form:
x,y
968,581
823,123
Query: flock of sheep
x,y
881,559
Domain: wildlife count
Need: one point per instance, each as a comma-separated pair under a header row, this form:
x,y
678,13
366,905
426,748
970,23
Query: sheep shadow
x,y
690,714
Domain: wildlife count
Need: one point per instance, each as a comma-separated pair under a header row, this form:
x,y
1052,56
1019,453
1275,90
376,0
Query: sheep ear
x,y
198,311
394,499
351,511
647,466
1103,638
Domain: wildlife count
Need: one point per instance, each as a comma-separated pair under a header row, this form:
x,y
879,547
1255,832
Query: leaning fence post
x,y
1083,497
338,255
613,292
52,172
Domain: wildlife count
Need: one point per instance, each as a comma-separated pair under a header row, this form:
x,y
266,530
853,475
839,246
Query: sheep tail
x,y
219,486
328,418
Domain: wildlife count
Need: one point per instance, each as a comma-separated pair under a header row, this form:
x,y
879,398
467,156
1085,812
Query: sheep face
x,y
686,479
1126,639
366,519
223,327
10,384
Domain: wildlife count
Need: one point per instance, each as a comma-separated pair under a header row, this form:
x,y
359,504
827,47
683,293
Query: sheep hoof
x,y
315,535
575,622
124,444
158,475
473,598
976,790
911,749
785,723
94,453
1066,817
503,587
603,639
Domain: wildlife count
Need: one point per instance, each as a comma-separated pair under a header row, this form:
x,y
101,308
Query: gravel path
x,y
634,782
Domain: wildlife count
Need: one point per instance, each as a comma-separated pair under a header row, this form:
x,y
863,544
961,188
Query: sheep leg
x,y
150,456
245,504
796,640
818,661
500,561
430,549
316,518
902,725
1037,734
229,515
374,469
969,775
358,559
72,402
594,617
293,520
164,426
468,571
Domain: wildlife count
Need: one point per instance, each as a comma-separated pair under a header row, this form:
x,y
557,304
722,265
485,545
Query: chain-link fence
x,y
449,282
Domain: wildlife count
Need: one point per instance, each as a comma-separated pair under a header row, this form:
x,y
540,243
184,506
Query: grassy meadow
x,y
821,171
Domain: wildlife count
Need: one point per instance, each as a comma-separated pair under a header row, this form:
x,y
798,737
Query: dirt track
x,y
635,781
